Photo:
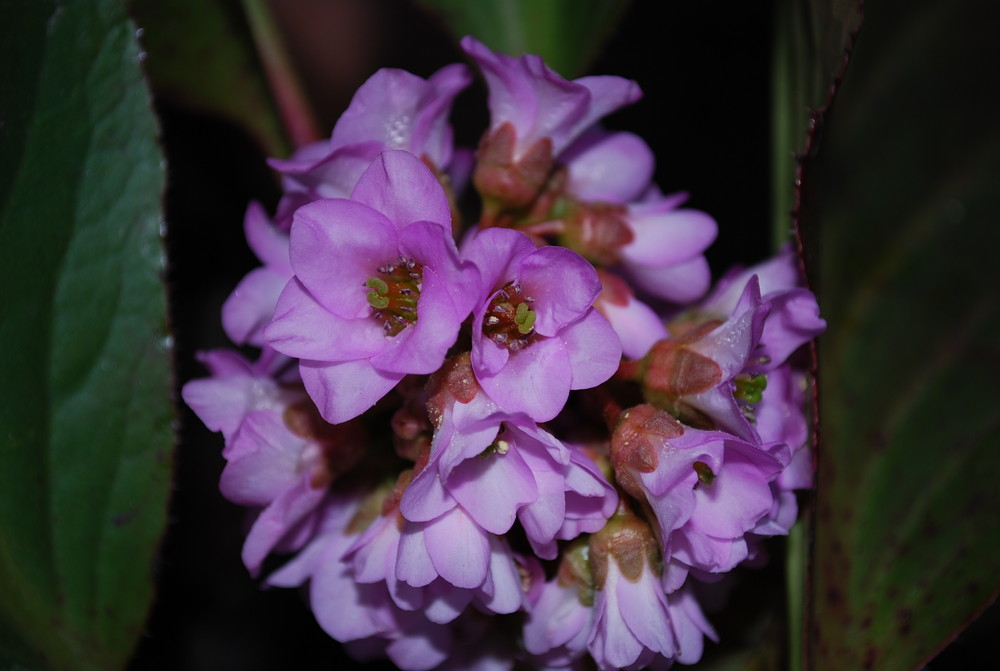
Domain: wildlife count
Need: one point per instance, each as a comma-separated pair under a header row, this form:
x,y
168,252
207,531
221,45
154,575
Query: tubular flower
x,y
708,489
612,213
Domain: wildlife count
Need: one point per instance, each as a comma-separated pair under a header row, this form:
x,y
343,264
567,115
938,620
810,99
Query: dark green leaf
x,y
85,445
900,210
812,45
566,33
200,54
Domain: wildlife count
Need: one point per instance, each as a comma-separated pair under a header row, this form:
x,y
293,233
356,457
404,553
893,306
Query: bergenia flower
x,y
499,467
534,115
701,375
535,332
559,622
249,308
394,109
355,611
708,489
794,316
632,626
238,387
281,457
539,104
613,214
402,111
454,548
379,291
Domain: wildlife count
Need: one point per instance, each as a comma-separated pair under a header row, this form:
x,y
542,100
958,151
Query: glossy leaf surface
x,y
811,52
85,449
900,214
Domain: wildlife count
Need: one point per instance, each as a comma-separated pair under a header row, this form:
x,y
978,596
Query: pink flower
x,y
392,110
454,548
498,467
281,457
249,308
617,217
379,291
561,617
541,105
632,626
794,315
356,611
237,388
535,333
708,489
702,375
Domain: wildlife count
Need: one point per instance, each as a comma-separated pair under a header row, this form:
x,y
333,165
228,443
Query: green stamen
x,y
394,299
498,446
525,319
510,321
750,389
705,474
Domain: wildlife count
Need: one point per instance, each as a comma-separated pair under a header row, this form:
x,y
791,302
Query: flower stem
x,y
293,105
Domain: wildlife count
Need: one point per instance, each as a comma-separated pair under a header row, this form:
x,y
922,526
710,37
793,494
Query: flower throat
x,y
395,295
510,321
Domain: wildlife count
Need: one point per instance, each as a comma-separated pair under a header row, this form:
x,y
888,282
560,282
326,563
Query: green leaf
x,y
200,54
812,46
85,444
568,34
900,210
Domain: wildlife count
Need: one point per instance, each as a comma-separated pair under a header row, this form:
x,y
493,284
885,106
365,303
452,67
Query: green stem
x,y
795,575
293,105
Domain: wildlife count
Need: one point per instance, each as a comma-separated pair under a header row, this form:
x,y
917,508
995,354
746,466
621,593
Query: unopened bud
x,y
595,231
454,381
506,183
636,441
626,540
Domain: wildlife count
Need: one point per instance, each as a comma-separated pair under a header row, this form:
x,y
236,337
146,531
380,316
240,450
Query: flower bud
x,y
634,444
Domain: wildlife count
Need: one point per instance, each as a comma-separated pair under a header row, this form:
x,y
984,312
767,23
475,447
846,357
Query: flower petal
x,y
268,461
594,349
342,391
608,167
249,308
304,329
680,283
458,548
535,381
267,241
492,488
563,284
667,237
403,189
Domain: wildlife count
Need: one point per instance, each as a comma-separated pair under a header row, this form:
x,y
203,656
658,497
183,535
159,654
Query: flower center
x,y
509,319
749,390
704,471
394,295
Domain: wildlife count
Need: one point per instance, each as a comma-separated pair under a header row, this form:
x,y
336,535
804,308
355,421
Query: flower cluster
x,y
520,441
